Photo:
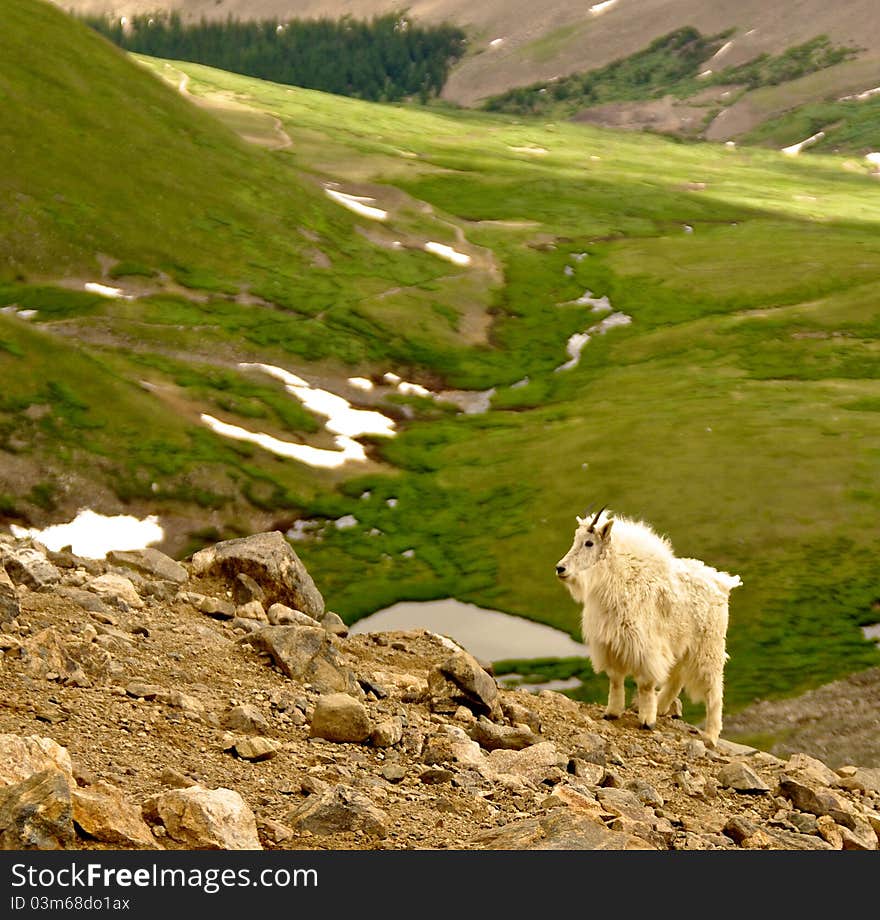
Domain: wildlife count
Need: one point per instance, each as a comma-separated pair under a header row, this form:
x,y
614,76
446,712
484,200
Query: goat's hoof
x,y
647,726
611,716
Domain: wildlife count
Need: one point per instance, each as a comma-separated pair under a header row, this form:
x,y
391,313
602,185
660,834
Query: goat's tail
x,y
728,581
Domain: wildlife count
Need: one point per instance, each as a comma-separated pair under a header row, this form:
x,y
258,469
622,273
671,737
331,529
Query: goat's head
x,y
590,541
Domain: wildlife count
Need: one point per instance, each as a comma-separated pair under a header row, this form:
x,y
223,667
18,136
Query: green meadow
x,y
738,413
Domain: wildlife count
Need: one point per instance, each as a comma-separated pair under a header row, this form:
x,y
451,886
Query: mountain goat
x,y
649,614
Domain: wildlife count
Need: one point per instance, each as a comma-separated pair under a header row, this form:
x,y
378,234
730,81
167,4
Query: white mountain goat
x,y
649,614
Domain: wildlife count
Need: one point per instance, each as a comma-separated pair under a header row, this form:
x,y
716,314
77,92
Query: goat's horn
x,y
598,513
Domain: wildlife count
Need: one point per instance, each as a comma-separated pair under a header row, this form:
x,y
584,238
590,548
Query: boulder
x,y
22,756
460,679
205,819
340,717
741,777
115,589
36,813
257,748
271,562
282,615
246,719
103,813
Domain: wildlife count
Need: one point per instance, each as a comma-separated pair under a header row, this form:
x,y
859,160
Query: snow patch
x,y
448,253
93,287
597,9
358,204
93,535
795,149
361,383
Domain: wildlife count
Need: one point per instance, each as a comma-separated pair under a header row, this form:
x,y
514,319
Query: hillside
x,y
686,332
516,44
119,731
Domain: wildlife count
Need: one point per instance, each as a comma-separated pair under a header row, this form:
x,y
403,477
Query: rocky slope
x,y
217,704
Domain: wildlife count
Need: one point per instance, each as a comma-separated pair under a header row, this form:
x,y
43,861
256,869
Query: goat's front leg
x,y
647,704
616,696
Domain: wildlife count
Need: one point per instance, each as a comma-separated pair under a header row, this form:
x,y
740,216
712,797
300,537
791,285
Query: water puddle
x,y
486,634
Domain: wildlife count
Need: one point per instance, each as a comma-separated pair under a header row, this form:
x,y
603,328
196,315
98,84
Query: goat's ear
x,y
580,520
605,529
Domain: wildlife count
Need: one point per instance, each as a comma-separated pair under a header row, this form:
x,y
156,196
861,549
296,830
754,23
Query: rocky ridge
x,y
216,704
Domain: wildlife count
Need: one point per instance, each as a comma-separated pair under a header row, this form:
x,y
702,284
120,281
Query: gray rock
x,y
174,778
274,831
817,800
282,615
29,567
393,772
451,745
493,737
460,679
732,749
36,813
805,823
272,563
216,607
861,836
742,778
82,598
144,691
9,606
590,773
519,714
626,804
559,829
150,561
865,779
436,775
645,793
103,813
536,763
810,770
590,747
739,828
48,657
205,819
340,717
338,810
246,719
304,653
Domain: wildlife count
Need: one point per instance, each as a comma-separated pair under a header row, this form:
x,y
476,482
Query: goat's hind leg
x,y
616,696
668,703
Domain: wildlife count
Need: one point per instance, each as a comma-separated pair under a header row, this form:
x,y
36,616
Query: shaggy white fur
x,y
649,614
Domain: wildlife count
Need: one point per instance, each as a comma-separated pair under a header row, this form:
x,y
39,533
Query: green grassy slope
x,y
738,412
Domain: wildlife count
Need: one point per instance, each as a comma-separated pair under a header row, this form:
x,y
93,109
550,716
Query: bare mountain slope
x,y
540,41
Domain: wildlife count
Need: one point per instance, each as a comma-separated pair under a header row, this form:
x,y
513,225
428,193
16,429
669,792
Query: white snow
x,y
358,204
598,8
390,377
861,97
27,314
349,449
722,50
448,253
93,287
412,389
346,522
496,42
342,418
93,535
577,342
795,149
873,158
532,151
361,383
596,304
706,73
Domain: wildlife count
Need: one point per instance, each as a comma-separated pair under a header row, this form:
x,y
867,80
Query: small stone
x,y
536,763
174,778
257,748
22,756
393,772
590,747
281,615
216,607
28,566
742,778
334,624
142,690
829,831
252,610
246,719
274,831
809,769
338,810
805,823
740,828
387,732
559,829
115,589
339,717
645,793
150,561
493,737
590,773
436,775
9,606
470,683
518,714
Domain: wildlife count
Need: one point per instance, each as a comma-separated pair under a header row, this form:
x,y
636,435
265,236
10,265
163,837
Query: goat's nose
x,y
560,569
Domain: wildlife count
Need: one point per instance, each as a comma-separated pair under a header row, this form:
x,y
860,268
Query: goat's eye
x,y
588,543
